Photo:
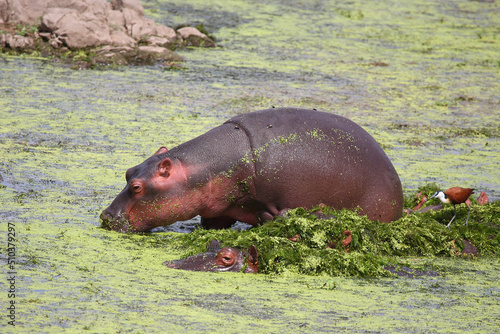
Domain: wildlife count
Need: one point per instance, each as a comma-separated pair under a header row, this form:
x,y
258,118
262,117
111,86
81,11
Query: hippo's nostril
x,y
105,218
108,220
117,222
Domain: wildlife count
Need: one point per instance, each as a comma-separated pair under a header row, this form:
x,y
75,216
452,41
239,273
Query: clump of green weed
x,y
413,199
25,29
346,244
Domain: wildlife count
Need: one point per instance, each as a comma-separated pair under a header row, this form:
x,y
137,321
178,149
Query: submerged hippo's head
x,y
155,195
219,259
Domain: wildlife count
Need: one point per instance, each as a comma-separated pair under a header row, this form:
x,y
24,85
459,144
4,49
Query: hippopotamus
x,y
218,258
255,166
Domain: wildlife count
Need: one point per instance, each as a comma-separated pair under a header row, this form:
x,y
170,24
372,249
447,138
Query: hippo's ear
x,y
214,246
161,150
253,263
164,167
253,255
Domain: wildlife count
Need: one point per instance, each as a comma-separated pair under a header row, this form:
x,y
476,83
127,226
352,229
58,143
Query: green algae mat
x,y
422,77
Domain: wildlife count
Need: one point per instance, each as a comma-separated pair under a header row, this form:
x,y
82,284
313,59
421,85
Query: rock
x,y
155,53
51,18
45,35
87,24
109,48
21,11
78,33
158,41
193,37
109,58
166,32
56,43
16,42
132,55
134,5
136,26
120,38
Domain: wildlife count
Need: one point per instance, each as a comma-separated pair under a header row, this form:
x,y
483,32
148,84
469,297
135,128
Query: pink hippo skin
x,y
256,165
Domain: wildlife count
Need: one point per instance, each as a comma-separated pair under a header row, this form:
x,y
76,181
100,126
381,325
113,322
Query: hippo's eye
x,y
226,257
227,260
136,187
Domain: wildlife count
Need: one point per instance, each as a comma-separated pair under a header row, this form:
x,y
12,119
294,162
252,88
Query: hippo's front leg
x,y
272,212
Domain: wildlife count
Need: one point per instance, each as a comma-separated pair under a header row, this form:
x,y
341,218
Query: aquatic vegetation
x,y
318,249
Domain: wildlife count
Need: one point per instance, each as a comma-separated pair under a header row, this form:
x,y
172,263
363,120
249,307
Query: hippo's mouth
x,y
118,224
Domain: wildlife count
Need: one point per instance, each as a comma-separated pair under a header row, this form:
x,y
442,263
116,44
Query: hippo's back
x,y
305,157
265,125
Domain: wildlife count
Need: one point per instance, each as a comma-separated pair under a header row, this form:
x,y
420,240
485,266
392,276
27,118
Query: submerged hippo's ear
x,y
252,263
214,246
164,167
253,255
161,150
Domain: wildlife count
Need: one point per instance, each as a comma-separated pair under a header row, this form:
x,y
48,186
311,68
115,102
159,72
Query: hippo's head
x,y
155,195
219,259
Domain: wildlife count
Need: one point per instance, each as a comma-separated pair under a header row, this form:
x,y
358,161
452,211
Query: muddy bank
x,y
92,32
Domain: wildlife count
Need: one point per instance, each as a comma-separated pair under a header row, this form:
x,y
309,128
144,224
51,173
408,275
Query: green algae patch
x,y
346,244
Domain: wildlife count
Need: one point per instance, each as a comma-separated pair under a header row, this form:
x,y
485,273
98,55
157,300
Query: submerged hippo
x,y
219,259
255,166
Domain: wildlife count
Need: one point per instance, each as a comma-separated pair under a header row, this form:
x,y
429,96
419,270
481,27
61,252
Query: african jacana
x,y
455,195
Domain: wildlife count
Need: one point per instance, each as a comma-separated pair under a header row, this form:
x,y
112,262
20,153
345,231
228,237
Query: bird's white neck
x,y
443,198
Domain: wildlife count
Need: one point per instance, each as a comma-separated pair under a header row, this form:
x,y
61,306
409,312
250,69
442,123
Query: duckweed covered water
x,y
421,77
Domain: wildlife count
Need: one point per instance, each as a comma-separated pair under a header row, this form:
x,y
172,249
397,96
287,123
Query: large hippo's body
x,y
254,166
